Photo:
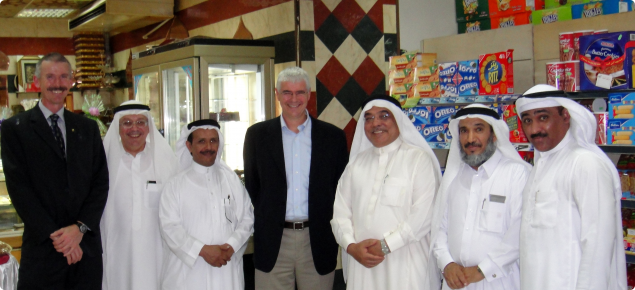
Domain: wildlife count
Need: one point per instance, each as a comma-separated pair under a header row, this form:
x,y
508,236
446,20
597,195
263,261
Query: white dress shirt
x,y
482,222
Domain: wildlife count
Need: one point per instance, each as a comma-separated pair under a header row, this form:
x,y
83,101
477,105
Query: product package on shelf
x,y
600,132
563,3
496,73
626,170
528,156
400,76
510,116
468,77
598,8
621,119
551,15
402,92
442,114
448,79
505,21
567,49
630,63
419,116
474,25
564,75
576,41
498,8
423,90
435,133
603,64
467,10
426,74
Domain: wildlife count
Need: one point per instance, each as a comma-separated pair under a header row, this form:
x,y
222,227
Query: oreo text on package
x,y
468,77
442,115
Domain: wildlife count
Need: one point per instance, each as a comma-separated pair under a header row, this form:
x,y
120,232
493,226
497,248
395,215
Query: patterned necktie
x,y
57,132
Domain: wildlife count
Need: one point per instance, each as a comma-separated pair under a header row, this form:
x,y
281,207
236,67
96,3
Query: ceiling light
x,y
45,13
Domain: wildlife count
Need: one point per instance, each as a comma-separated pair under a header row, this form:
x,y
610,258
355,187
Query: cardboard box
x,y
427,90
603,61
510,116
621,119
426,74
630,63
419,115
400,92
560,3
551,15
442,114
400,76
468,77
496,73
498,8
469,10
598,8
475,26
448,79
434,132
511,20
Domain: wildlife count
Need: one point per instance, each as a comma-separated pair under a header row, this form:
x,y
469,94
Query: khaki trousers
x,y
294,262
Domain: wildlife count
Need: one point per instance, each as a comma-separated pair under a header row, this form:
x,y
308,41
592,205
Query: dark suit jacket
x,y
265,180
48,191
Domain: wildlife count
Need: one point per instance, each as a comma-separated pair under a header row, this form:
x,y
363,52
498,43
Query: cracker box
x,y
621,119
560,3
510,116
602,61
426,59
521,18
426,90
442,115
426,74
419,115
468,77
498,8
475,25
551,15
400,76
467,10
496,73
434,132
400,92
605,7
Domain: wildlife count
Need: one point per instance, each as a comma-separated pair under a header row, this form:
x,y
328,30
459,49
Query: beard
x,y
476,160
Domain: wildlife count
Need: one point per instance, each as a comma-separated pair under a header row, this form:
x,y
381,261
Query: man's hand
x,y
66,240
74,256
454,276
472,274
228,251
360,251
213,255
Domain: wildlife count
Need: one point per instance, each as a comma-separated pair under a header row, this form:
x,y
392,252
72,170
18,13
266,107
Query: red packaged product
x,y
602,31
496,73
510,116
566,46
571,76
555,70
576,41
600,133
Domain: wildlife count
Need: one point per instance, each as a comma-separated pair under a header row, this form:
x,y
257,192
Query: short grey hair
x,y
53,57
294,75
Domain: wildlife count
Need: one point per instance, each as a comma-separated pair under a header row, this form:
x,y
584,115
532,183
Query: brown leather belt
x,y
296,225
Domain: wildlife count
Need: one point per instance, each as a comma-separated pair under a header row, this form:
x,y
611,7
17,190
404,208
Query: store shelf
x,y
446,146
630,259
617,149
628,203
466,100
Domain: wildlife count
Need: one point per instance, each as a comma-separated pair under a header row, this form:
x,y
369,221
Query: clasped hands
x,y
367,252
458,276
216,255
66,241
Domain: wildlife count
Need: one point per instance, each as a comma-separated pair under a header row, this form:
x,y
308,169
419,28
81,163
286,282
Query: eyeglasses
x,y
127,124
382,116
289,94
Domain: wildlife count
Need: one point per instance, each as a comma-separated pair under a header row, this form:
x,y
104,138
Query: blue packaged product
x,y
468,77
602,56
441,115
419,115
448,79
434,132
598,8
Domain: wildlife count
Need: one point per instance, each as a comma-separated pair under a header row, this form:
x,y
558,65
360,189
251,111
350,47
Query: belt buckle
x,y
298,223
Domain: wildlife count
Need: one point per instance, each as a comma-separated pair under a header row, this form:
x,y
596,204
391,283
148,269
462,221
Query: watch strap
x,y
384,247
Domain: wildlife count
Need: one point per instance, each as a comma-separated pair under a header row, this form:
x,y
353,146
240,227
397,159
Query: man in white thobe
x,y
206,216
571,230
383,205
140,162
476,227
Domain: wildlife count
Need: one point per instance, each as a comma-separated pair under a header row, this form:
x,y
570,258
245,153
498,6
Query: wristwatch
x,y
384,247
82,227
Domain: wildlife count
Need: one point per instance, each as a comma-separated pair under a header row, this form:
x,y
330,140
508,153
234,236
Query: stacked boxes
x,y
409,71
621,119
479,15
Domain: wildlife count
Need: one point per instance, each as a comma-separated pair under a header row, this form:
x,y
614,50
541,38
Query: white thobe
x,y
131,241
481,225
204,206
387,193
569,221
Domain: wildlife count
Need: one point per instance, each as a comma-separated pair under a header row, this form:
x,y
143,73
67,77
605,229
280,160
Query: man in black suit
x,y
57,178
292,166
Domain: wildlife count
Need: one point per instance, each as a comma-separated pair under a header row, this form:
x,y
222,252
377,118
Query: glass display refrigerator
x,y
231,81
